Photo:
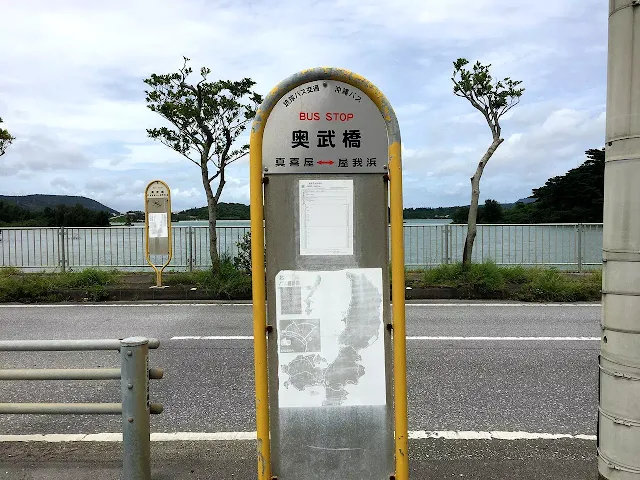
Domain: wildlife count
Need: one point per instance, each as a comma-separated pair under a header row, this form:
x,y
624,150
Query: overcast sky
x,y
71,86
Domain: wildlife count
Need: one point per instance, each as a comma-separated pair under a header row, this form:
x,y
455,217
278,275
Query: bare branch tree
x,y
207,117
493,100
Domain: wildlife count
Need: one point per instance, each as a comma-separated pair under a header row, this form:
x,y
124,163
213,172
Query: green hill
x,y
226,211
40,202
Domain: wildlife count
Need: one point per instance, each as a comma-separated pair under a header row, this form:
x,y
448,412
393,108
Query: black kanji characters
x,y
280,162
357,162
351,138
325,138
294,162
371,162
299,138
308,162
343,162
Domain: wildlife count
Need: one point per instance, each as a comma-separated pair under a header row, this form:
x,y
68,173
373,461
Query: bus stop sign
x,y
330,374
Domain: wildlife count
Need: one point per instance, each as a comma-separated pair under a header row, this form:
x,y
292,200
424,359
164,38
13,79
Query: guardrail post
x,y
447,231
190,248
63,255
136,430
579,249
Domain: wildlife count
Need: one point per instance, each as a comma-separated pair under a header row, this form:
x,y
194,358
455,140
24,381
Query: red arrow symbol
x,y
325,162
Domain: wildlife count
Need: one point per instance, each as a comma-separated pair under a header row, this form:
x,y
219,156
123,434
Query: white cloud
x,y
71,86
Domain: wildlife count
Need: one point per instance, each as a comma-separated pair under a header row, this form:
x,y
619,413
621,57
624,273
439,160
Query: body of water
x,y
427,243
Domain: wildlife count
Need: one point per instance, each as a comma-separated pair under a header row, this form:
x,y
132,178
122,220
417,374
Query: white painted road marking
x,y
214,337
473,339
238,436
221,304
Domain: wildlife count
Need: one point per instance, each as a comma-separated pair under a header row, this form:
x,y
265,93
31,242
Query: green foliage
x,y
61,215
550,285
226,211
6,139
40,201
9,271
517,282
492,99
225,282
243,260
424,212
44,287
492,212
577,196
207,116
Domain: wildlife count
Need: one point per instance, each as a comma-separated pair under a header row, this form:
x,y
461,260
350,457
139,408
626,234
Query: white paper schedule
x,y
158,225
326,217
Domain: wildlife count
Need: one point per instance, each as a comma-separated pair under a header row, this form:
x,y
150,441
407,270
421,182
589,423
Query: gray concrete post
x,y
619,402
136,431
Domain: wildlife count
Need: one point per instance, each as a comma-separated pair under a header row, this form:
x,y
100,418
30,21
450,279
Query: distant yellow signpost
x,y
157,225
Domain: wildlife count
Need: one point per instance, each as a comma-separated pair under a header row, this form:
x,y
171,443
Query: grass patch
x,y
16,286
517,282
228,282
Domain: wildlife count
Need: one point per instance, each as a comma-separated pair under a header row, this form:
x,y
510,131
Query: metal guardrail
x,y
570,246
134,376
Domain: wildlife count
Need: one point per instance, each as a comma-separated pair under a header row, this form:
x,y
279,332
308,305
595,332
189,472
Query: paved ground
x,y
455,384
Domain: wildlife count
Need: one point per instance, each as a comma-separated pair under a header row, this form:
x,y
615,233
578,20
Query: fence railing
x,y
569,246
134,376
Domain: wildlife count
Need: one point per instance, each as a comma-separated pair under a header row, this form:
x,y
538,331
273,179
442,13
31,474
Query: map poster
x,y
330,338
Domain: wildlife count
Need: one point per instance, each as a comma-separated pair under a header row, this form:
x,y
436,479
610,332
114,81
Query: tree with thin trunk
x,y
5,140
493,100
208,117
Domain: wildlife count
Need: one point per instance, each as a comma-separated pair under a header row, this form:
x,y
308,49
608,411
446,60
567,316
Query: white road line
x,y
511,339
240,436
424,338
215,337
202,304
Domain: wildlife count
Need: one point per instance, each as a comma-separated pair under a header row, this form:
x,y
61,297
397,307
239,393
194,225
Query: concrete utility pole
x,y
619,402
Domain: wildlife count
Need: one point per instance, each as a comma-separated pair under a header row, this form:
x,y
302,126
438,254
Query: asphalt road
x,y
455,384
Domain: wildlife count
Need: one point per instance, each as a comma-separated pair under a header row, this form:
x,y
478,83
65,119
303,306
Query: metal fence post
x,y
447,232
579,252
190,248
63,255
136,430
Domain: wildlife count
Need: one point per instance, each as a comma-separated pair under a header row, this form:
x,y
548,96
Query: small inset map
x,y
300,335
291,300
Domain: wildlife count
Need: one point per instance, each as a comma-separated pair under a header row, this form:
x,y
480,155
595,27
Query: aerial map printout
x,y
330,338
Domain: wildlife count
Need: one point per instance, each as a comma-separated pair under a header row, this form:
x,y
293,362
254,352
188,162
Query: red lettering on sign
x,y
325,162
309,116
339,116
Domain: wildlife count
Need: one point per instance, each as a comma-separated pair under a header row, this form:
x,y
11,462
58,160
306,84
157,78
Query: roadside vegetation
x,y
227,282
16,286
531,284
233,281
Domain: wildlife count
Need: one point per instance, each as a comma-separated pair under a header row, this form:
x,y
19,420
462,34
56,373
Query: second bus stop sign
x,y
325,126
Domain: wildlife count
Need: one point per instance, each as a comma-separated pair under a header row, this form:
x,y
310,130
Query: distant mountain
x,y
39,202
527,200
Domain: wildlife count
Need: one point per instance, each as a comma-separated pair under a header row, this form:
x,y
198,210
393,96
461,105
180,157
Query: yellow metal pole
x,y
398,308
259,307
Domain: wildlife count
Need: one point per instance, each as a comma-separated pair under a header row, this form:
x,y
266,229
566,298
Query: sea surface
x,y
426,243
